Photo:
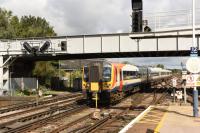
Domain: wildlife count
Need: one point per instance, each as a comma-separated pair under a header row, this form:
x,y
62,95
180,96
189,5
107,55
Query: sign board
x,y
193,80
184,73
179,95
174,82
193,51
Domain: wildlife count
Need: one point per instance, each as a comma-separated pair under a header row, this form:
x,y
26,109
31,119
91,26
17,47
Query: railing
x,y
159,21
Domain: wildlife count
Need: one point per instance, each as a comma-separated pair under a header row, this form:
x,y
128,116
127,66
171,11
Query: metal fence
x,y
23,83
178,18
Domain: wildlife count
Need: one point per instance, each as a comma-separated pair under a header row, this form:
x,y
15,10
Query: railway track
x,y
118,120
6,116
106,123
30,115
111,122
35,104
41,122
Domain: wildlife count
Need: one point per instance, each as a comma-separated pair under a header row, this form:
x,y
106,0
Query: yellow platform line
x,y
147,122
154,116
157,129
157,120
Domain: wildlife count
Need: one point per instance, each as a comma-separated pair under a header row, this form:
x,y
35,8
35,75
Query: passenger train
x,y
108,82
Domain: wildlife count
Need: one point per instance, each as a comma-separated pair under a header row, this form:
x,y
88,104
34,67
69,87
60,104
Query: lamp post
x,y
195,91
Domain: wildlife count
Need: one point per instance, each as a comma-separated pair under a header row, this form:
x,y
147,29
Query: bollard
x,y
195,102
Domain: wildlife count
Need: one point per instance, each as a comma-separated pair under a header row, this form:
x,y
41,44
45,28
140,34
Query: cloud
x,y
89,16
77,16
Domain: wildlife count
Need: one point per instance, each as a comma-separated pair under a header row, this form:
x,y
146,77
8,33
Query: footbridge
x,y
151,44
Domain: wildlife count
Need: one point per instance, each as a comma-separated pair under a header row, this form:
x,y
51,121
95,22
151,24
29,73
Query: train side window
x,y
127,75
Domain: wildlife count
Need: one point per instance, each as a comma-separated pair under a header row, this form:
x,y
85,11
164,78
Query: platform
x,y
166,119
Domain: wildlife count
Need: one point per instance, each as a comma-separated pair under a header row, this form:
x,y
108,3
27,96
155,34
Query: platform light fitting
x,y
35,49
45,46
27,47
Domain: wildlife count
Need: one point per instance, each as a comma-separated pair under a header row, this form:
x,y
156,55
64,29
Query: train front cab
x,y
97,82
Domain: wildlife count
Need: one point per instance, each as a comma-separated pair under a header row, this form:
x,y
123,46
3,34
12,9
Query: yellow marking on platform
x,y
154,116
148,120
157,120
157,129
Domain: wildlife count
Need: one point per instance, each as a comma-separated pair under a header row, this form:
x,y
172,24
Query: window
x,y
127,75
86,74
106,74
63,46
94,75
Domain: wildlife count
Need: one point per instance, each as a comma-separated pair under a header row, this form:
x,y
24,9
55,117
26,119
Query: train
x,y
106,82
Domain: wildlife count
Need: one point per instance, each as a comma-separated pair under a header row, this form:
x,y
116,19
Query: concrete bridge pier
x,y
4,73
11,67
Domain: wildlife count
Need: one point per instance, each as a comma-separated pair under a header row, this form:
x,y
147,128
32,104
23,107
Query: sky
x,y
72,17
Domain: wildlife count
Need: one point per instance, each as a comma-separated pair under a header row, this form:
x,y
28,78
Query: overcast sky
x,y
72,17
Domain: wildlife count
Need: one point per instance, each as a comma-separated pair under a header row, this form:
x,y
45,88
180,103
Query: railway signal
x,y
137,7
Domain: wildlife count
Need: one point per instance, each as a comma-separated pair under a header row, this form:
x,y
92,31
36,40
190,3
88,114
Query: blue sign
x,y
193,51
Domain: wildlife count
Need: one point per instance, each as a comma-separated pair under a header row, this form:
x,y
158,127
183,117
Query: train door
x,y
120,79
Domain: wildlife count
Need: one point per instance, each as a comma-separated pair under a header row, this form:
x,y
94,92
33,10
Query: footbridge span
x,y
151,44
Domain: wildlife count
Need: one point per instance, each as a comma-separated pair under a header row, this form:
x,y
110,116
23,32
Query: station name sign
x,y
193,51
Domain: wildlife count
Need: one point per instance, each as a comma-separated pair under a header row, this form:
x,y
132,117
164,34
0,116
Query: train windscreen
x,y
94,74
86,74
106,73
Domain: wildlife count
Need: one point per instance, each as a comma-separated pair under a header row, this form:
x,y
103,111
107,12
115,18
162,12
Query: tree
x,y
126,62
27,26
31,26
5,17
45,70
160,66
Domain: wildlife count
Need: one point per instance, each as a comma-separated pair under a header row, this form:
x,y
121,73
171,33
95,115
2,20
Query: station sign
x,y
193,51
193,80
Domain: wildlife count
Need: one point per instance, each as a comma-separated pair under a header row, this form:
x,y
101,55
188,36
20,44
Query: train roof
x,y
157,69
128,67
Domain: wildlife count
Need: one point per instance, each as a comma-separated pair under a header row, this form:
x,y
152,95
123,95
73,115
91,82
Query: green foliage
x,y
126,62
25,92
176,71
29,26
76,74
45,70
26,26
160,66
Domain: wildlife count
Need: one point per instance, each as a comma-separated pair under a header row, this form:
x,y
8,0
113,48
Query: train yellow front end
x,y
97,81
